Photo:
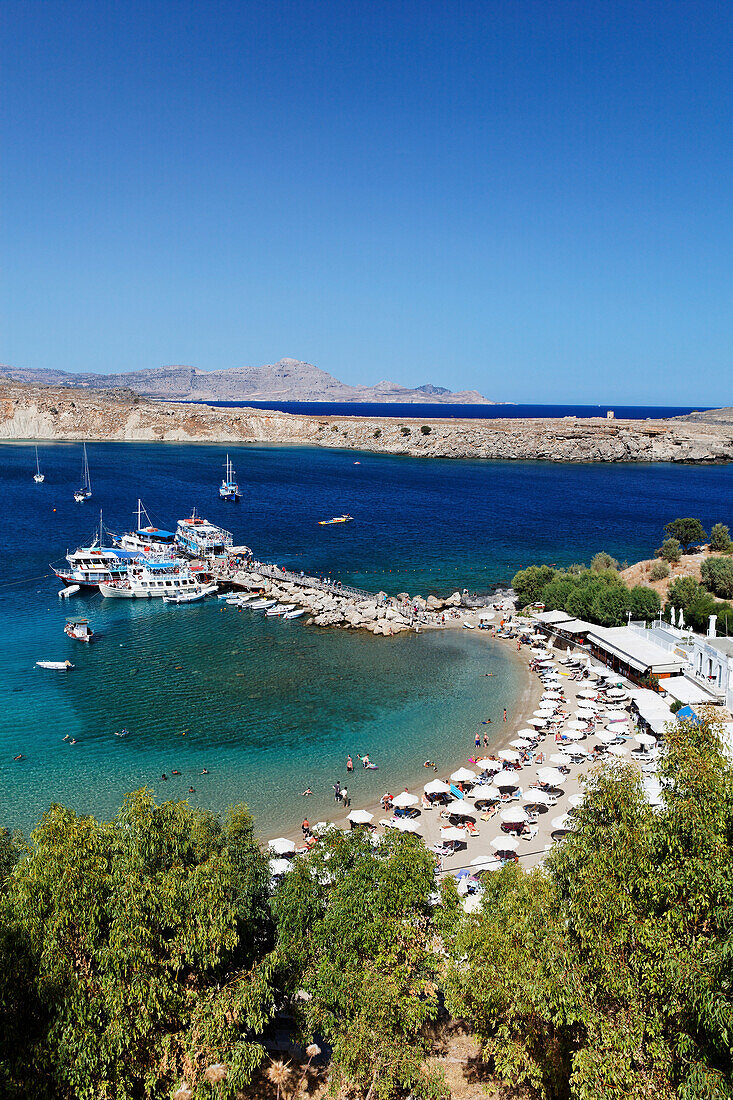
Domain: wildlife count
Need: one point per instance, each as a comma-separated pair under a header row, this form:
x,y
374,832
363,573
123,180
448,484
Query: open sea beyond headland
x,y
271,707
428,410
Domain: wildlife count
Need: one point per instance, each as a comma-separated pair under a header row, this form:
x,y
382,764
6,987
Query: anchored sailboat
x,y
229,490
86,490
38,477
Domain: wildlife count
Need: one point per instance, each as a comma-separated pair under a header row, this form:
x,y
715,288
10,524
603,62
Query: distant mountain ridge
x,y
286,380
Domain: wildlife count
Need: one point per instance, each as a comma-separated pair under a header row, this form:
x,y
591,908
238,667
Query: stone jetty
x,y
331,604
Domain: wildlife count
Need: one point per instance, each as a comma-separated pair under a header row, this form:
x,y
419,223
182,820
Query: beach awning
x,y
407,825
280,867
510,755
486,863
488,793
573,735
618,750
513,815
459,808
505,843
563,823
646,740
551,777
537,797
576,800
506,779
450,832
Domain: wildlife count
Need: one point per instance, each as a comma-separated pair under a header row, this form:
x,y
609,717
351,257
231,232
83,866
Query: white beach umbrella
x,y
520,743
437,786
619,729
573,735
282,846
506,843
528,733
618,750
646,740
464,775
551,777
606,737
280,867
459,808
407,825
513,815
585,712
615,714
576,800
556,696
559,758
511,756
360,817
450,832
321,827
488,765
616,693
575,724
489,793
540,713
506,779
538,797
404,800
588,693
486,863
537,722
574,750
563,823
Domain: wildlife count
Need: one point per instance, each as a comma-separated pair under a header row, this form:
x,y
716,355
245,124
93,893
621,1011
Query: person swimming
x,y
307,791
191,790
430,764
19,756
175,772
204,771
66,738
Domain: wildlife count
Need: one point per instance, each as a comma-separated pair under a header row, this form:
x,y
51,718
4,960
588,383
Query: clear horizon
x,y
528,200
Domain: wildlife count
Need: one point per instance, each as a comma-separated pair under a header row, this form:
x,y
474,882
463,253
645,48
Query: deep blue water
x,y
480,412
271,707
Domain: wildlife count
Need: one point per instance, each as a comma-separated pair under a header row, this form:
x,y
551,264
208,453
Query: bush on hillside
x,y
659,571
670,550
602,561
720,540
528,583
717,575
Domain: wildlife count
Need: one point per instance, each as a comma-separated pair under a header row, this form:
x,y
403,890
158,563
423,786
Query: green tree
x,y
689,532
670,550
644,603
144,940
717,575
602,561
682,592
426,429
528,583
356,934
611,606
720,539
555,594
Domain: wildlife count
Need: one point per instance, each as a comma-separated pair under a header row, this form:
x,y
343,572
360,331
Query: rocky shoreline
x,y
35,413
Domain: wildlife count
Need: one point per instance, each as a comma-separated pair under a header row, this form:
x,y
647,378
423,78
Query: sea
x,y
429,410
255,710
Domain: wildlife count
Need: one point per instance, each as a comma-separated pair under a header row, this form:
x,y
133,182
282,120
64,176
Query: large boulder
x,y
454,600
433,603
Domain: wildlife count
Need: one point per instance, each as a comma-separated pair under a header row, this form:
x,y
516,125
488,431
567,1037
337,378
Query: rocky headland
x,y
32,412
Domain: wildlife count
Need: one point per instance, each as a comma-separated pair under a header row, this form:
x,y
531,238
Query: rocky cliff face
x,y
287,380
35,413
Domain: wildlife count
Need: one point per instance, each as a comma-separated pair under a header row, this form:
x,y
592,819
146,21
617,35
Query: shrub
x,y
602,561
670,550
682,592
644,603
377,433
720,539
426,429
659,571
717,575
689,532
405,430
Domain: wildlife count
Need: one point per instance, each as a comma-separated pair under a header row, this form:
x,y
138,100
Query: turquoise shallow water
x,y
272,707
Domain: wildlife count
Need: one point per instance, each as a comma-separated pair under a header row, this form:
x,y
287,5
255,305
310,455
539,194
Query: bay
x,y
269,708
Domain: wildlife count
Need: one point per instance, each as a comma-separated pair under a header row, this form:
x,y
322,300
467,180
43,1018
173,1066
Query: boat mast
x,y
38,467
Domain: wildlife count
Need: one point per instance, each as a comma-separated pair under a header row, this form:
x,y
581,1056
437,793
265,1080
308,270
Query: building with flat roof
x,y
634,656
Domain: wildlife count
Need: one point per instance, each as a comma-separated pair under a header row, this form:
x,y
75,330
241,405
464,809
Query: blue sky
x,y
529,199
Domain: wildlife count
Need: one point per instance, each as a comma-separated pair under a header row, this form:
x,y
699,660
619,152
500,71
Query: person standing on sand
x,y
305,827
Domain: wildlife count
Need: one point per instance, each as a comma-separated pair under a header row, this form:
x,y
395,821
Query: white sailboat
x,y
86,490
38,477
229,490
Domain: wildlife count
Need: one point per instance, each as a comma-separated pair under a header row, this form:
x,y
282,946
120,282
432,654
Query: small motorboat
x,y
469,626
294,614
119,590
345,518
79,629
262,605
280,609
186,597
60,666
70,591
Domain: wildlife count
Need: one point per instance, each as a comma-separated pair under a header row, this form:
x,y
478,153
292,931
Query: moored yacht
x,y
146,539
150,577
89,566
229,490
197,537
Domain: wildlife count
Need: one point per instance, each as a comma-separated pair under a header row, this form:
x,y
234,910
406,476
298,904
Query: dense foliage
x,y
596,595
152,950
688,532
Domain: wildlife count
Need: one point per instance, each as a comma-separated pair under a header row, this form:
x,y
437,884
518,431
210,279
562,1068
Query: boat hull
x,y
112,592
